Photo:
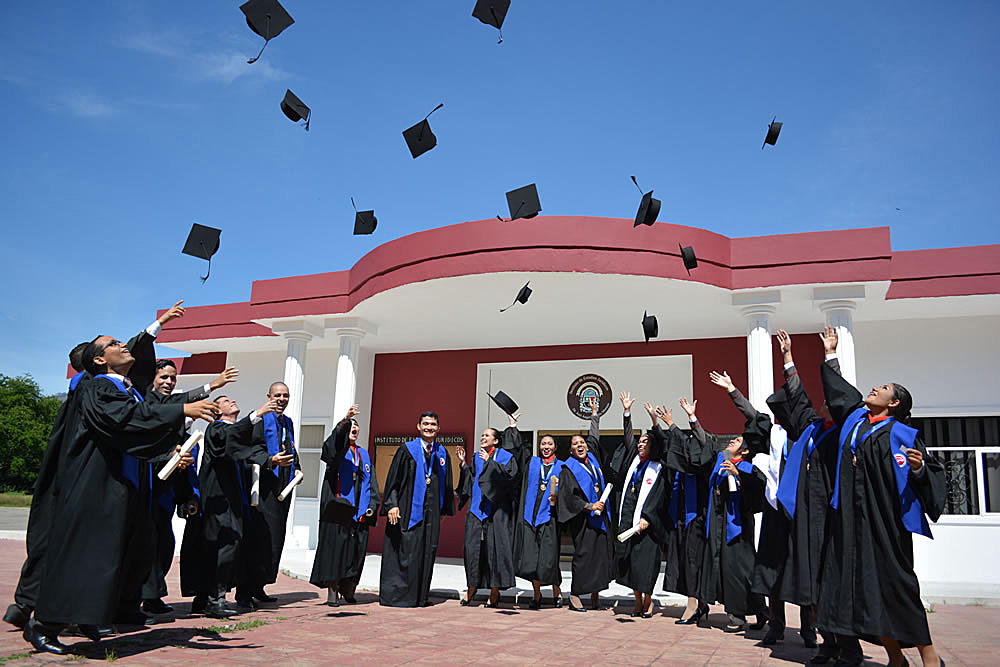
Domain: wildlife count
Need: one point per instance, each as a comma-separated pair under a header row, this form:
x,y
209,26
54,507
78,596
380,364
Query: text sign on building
x,y
397,440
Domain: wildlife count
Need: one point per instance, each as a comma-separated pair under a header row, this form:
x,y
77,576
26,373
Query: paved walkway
x,y
13,518
300,630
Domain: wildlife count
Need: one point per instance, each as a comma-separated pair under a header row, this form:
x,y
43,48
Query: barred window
x,y
969,448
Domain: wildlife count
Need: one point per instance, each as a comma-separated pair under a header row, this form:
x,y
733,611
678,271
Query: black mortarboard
x,y
364,221
650,327
267,18
687,254
492,12
523,202
419,138
295,109
504,402
202,242
522,295
772,133
649,207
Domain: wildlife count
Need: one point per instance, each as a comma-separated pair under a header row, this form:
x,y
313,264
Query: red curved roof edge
x,y
603,245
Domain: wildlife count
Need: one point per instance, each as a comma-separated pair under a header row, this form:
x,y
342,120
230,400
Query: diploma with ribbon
x,y
291,485
553,485
604,498
730,480
186,448
254,485
634,530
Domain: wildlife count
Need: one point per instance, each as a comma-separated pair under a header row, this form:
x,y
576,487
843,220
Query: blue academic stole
x,y
355,460
276,432
168,499
788,485
422,477
690,498
130,464
482,508
534,484
734,519
591,485
75,380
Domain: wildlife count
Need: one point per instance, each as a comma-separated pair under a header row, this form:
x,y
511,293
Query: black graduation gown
x,y
408,554
869,588
212,540
684,547
637,559
92,516
592,554
536,548
340,549
790,550
488,551
264,535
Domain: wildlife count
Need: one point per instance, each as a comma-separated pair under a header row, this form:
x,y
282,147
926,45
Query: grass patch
x,y
15,499
234,627
14,656
282,618
110,655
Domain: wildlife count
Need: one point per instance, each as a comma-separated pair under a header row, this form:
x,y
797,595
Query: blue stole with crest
x,y
591,486
345,479
480,507
276,432
533,483
734,519
439,459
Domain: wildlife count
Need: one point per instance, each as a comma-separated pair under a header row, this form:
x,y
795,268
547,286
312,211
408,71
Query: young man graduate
x,y
92,515
418,491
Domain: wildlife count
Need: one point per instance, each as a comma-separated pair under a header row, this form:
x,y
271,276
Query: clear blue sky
x,y
125,121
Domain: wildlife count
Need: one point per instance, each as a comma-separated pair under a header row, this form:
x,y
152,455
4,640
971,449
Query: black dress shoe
x,y
198,604
156,606
558,602
17,615
809,642
260,595
536,603
493,605
693,618
219,610
131,618
574,608
41,641
464,602
758,623
95,633
773,636
822,659
243,605
349,600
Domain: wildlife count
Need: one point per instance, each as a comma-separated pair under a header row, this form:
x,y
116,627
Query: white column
x,y
760,365
295,378
345,389
840,314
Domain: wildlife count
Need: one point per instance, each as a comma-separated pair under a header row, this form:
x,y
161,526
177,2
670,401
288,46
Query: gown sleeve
x,y
449,489
570,500
930,484
466,478
497,480
841,396
143,369
336,443
373,502
393,480
792,409
140,429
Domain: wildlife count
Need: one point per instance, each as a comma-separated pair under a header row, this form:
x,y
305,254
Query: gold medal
x,y
428,481
597,489
542,486
633,488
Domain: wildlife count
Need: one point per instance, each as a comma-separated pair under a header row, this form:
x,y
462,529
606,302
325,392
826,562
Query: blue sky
x,y
126,121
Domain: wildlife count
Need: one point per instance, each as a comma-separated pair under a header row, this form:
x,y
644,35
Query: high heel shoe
x,y
536,603
694,618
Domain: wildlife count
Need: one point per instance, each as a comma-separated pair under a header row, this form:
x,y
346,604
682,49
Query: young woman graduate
x,y
640,493
686,457
489,484
536,533
886,486
349,503
793,530
730,553
581,483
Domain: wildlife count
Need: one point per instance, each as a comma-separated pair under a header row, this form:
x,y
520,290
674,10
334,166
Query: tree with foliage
x,y
26,418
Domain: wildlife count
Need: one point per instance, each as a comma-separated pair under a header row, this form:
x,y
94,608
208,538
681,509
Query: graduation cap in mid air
x,y
202,242
650,327
504,402
492,12
523,203
295,109
522,295
419,138
772,133
687,254
267,18
364,221
649,207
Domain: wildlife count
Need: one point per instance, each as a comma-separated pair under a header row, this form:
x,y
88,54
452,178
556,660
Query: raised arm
x,y
339,439
790,405
841,396
739,400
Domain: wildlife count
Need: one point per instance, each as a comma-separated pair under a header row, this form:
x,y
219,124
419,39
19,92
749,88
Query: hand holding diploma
x,y
553,489
730,468
285,492
254,485
634,530
599,505
185,450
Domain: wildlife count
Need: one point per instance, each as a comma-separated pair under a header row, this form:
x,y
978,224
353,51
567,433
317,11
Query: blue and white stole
x,y
422,476
355,460
535,483
592,486
276,430
690,498
480,507
642,474
802,449
734,519
901,438
130,464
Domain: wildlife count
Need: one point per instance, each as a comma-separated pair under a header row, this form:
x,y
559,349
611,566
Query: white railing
x,y
957,492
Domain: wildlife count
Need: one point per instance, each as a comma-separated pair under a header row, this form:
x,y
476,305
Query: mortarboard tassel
x,y
205,277
421,135
267,38
497,22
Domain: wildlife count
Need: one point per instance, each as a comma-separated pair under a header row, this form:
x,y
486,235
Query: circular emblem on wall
x,y
585,387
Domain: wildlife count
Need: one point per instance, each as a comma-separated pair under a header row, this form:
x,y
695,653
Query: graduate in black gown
x,y
92,515
640,494
536,533
730,553
213,538
489,485
274,435
581,485
350,481
886,486
419,490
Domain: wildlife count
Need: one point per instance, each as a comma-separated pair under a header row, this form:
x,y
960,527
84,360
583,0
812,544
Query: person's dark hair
x,y
93,349
547,435
429,413
76,356
219,398
496,434
275,384
163,363
902,411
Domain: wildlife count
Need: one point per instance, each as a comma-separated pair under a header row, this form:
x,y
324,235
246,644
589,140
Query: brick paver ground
x,y
300,630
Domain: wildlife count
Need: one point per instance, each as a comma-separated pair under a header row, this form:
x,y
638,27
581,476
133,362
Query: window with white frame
x,y
969,448
310,447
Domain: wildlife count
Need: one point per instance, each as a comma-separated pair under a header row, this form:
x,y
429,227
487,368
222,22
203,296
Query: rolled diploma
x,y
186,448
291,485
732,483
634,530
553,485
604,497
254,484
